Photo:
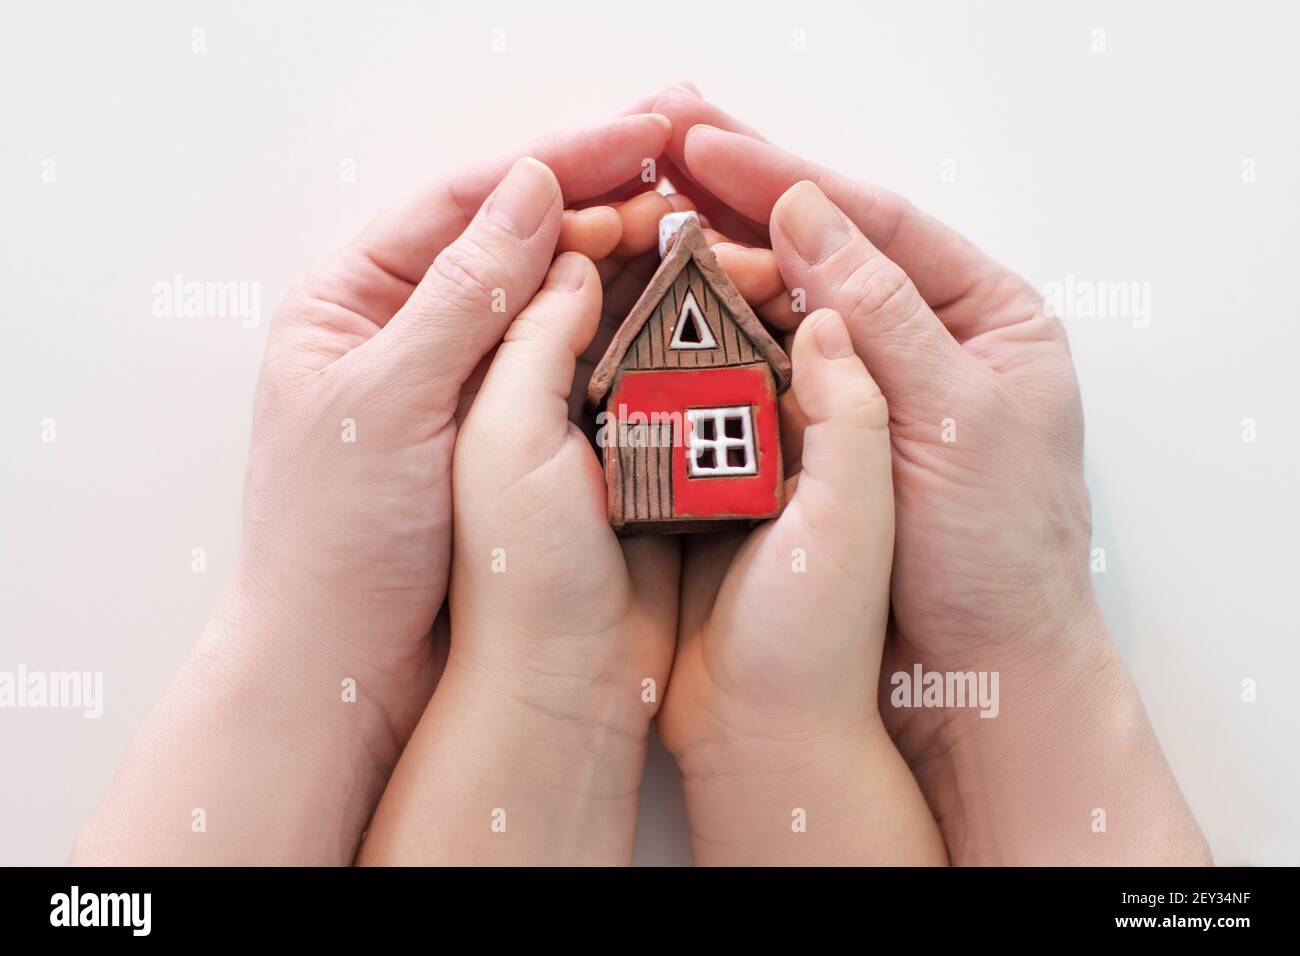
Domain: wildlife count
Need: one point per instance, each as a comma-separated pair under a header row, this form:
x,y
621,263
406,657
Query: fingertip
x,y
829,333
653,130
702,129
680,203
830,379
566,308
679,99
752,270
820,347
594,231
537,167
569,272
525,199
640,216
803,347
696,138
803,190
661,123
808,224
779,312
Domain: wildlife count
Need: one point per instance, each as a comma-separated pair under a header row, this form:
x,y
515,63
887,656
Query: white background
x,y
1122,165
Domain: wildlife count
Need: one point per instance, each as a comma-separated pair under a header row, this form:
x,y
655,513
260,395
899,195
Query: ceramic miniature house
x,y
689,386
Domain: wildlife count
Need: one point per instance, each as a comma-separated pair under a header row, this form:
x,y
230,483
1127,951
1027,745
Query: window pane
x,y
721,442
690,332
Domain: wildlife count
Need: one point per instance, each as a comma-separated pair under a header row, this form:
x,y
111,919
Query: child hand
x,y
771,707
561,633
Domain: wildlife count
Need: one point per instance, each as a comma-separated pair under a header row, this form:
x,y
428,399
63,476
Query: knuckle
x,y
868,408
880,293
527,330
466,272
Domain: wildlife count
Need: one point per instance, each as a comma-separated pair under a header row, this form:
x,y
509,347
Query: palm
x,y
370,489
963,488
748,636
781,624
538,495
362,370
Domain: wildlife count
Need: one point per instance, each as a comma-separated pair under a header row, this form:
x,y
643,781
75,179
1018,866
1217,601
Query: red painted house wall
x,y
676,391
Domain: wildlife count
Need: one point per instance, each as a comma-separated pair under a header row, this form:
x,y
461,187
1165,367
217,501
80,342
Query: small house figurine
x,y
689,389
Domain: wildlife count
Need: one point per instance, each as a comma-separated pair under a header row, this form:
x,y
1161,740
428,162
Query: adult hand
x,y
347,520
993,517
350,492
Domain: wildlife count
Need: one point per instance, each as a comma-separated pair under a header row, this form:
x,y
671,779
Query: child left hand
x,y
771,708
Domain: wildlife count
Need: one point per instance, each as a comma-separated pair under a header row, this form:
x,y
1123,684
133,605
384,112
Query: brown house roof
x,y
690,245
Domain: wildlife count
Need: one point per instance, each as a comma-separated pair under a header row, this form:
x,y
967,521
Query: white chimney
x,y
670,225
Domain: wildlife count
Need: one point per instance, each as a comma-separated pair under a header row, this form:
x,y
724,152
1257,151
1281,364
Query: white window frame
x,y
707,341
721,442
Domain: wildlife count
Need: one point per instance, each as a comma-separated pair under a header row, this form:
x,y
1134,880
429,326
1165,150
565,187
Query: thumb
x,y
820,250
844,492
478,284
523,403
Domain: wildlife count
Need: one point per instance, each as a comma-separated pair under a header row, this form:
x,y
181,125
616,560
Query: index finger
x,y
739,167
587,161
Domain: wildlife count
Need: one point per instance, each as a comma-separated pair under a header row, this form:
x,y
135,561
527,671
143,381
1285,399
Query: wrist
x,y
842,797
562,718
513,770
726,752
748,799
255,737
281,656
300,688
1069,770
1062,662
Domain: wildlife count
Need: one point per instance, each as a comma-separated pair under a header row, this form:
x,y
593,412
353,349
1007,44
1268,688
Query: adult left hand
x,y
347,520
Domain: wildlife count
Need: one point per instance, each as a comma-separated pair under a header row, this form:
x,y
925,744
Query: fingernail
x,y
568,272
687,87
523,198
831,336
811,222
664,121
703,126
